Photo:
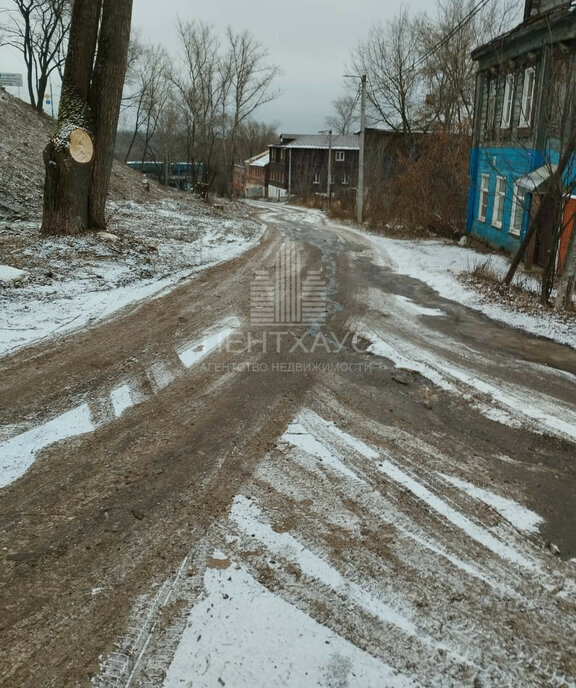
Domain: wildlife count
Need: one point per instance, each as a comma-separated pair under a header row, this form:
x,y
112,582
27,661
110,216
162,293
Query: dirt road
x,y
395,481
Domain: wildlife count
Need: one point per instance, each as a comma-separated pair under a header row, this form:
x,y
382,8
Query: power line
x,y
461,24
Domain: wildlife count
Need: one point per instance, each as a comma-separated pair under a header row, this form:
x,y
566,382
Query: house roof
x,y
321,142
534,180
553,26
260,160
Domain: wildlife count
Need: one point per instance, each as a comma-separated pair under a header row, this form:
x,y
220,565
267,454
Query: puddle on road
x,y
18,453
195,352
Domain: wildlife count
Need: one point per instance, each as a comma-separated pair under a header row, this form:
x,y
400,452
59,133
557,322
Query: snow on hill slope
x,y
52,285
23,135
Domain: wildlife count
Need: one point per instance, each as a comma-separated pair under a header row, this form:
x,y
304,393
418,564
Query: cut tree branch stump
x,y
81,146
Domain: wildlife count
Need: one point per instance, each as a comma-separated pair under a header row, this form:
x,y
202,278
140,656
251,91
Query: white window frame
x,y
340,156
345,179
484,197
528,89
518,205
491,104
508,105
499,200
316,179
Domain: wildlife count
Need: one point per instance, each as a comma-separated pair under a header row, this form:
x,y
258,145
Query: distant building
x,y
524,113
299,165
179,175
250,178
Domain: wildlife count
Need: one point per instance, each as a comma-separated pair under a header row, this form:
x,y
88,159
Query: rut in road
x,y
389,512
367,536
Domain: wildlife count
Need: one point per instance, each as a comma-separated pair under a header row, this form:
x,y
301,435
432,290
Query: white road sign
x,y
10,79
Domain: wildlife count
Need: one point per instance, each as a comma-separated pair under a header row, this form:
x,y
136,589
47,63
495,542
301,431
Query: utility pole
x,y
362,147
360,189
289,174
329,167
329,184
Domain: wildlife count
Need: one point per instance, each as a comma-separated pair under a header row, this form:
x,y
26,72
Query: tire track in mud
x,y
159,505
322,529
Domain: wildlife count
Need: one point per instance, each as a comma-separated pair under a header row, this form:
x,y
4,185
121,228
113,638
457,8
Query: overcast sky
x,y
310,40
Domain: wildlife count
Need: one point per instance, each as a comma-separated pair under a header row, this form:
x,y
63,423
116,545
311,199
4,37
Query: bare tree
x,y
222,85
168,136
387,57
203,84
251,82
39,30
446,66
345,115
255,137
148,90
78,158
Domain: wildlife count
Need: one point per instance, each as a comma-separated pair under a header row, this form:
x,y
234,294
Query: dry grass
x,y
522,295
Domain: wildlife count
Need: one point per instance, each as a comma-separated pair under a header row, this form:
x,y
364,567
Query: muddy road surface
x,y
299,468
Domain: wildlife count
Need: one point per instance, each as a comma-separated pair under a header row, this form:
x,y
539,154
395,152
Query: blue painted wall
x,y
511,163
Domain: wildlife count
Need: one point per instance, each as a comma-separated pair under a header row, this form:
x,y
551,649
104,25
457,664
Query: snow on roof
x,y
321,141
535,179
260,160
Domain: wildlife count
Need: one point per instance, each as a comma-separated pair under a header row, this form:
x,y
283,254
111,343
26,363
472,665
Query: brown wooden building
x,y
299,165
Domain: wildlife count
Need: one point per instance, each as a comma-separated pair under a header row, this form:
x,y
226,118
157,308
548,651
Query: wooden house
x,y
299,165
524,122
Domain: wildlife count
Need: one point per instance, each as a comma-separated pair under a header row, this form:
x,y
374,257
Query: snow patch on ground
x,y
538,409
519,516
9,274
72,282
19,453
242,635
438,264
248,517
429,623
415,308
195,352
298,436
471,529
121,398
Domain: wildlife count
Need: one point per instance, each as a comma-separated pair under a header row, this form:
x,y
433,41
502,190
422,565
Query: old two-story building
x,y
524,114
250,178
299,165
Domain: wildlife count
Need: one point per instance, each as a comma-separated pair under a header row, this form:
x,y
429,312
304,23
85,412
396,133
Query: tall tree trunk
x,y
67,184
105,99
42,86
79,156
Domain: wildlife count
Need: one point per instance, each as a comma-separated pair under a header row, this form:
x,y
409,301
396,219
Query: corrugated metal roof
x,y
321,142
